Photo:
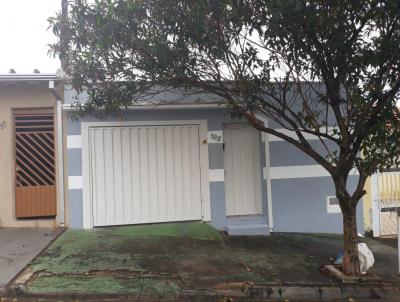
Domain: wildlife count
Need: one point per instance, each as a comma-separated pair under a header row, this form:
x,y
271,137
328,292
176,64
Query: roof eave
x,y
28,77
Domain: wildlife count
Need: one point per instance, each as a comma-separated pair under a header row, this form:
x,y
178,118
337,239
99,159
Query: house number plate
x,y
215,137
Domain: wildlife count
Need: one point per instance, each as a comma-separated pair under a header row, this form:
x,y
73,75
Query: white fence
x,y
386,201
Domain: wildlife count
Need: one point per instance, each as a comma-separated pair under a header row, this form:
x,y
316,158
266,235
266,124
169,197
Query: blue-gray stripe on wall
x,y
75,208
74,162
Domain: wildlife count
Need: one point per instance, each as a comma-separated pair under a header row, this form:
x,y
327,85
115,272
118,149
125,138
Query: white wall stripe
x,y
264,173
292,134
74,142
215,137
216,175
300,172
75,182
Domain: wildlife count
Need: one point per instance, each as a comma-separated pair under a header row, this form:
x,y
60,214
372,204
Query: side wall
x,y
18,95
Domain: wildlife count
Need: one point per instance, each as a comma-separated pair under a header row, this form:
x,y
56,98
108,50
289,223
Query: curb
x,y
253,293
372,293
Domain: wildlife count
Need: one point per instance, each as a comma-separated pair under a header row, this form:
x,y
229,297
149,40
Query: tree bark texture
x,y
351,262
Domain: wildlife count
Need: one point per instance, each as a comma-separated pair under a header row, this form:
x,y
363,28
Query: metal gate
x,y
35,180
145,174
388,201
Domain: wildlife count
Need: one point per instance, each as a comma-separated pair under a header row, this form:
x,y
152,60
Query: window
x,y
333,205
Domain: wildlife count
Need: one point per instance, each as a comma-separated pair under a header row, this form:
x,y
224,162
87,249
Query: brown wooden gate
x,y
35,176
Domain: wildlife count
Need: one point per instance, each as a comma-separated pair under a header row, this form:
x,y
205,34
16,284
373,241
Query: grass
x,y
195,231
78,251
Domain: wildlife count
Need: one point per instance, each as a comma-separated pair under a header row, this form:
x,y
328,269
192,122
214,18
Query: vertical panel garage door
x,y
242,170
145,174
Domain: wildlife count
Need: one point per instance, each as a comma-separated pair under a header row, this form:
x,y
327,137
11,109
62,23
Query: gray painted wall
x,y
215,120
299,204
283,153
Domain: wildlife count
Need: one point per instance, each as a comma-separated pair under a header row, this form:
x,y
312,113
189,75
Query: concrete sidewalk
x,y
18,247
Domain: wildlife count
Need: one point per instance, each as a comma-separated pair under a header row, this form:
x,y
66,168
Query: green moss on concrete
x,y
120,248
90,285
182,254
194,231
78,251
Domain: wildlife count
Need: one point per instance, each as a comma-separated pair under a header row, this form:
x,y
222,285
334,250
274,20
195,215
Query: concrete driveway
x,y
18,247
169,260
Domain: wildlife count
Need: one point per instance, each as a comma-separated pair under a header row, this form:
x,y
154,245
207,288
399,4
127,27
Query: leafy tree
x,y
328,68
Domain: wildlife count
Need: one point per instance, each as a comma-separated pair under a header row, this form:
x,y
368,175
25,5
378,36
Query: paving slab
x,y
18,246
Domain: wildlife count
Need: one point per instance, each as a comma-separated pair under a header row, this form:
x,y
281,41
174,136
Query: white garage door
x,y
145,174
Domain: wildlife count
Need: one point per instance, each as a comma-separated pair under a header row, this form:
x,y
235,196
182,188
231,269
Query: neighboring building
x,y
192,161
382,202
29,183
367,206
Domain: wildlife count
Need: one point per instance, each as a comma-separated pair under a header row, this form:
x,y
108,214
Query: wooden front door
x,y
35,176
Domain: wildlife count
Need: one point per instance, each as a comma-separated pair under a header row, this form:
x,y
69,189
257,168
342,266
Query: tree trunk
x,y
351,262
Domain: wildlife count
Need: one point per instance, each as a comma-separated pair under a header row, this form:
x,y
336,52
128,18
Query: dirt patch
x,y
211,266
162,245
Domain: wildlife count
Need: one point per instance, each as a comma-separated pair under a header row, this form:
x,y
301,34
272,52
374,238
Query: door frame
x,y
87,169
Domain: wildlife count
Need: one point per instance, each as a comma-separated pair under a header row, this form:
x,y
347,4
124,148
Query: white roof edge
x,y
160,106
6,77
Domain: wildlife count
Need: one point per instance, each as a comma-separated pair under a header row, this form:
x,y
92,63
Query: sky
x,y
24,36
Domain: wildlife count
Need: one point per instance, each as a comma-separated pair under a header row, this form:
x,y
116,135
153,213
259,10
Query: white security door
x,y
242,170
145,174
